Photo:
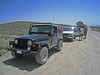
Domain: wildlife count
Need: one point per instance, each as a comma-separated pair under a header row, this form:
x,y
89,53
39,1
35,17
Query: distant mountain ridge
x,y
33,22
18,27
94,25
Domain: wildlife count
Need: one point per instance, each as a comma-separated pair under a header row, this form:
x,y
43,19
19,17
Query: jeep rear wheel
x,y
16,55
42,55
60,45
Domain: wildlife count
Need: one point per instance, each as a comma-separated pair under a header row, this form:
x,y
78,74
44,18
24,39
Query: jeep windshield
x,y
68,29
40,29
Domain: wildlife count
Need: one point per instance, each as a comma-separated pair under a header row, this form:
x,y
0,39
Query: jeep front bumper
x,y
22,50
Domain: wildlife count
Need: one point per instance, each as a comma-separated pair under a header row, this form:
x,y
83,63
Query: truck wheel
x,y
72,39
60,45
16,55
42,55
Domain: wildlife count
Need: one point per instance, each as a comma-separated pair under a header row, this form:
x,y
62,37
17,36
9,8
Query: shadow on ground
x,y
27,62
69,40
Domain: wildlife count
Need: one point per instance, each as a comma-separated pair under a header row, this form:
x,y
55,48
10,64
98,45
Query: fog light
x,y
29,48
11,46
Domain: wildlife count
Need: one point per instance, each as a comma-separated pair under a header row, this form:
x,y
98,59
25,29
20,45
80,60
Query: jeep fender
x,y
44,43
60,38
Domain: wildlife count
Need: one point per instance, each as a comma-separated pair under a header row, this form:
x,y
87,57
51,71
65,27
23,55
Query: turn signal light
x,y
39,45
33,45
11,43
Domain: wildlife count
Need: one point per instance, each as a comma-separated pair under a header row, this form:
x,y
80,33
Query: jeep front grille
x,y
65,34
22,43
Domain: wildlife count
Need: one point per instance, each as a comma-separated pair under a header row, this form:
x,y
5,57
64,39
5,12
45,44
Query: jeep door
x,y
54,37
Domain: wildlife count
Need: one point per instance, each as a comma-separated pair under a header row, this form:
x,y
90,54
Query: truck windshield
x,y
68,29
41,29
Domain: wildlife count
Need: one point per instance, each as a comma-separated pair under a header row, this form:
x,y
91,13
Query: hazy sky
x,y
65,11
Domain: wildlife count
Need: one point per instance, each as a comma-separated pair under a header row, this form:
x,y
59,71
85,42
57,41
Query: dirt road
x,y
76,58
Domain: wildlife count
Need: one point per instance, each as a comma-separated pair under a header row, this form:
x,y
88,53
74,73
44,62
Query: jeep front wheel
x,y
60,45
16,55
42,55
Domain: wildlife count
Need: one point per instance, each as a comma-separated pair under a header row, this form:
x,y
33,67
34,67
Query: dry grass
x,y
96,28
9,31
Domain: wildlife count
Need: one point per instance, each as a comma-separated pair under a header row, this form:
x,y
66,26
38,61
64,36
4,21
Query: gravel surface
x,y
76,58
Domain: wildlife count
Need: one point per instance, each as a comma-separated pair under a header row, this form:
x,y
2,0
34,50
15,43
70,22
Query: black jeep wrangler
x,y
41,38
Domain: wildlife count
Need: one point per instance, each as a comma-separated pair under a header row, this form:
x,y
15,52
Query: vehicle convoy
x,y
70,33
41,38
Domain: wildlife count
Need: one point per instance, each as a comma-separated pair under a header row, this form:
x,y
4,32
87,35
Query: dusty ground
x,y
76,58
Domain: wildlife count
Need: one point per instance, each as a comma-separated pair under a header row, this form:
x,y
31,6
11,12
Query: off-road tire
x,y
16,55
60,45
42,55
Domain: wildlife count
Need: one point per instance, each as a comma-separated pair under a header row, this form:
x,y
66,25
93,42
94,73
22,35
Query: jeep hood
x,y
37,37
68,32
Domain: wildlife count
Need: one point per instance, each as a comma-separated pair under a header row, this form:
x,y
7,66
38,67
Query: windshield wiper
x,y
44,32
33,33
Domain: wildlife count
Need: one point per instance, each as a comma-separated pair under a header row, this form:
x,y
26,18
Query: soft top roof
x,y
40,23
32,24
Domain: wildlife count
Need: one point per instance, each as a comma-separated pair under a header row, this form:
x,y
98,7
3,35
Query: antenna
x,y
53,18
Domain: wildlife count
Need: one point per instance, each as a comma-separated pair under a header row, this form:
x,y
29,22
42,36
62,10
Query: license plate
x,y
19,52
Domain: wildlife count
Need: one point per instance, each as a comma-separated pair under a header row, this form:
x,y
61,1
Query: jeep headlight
x,y
16,41
29,43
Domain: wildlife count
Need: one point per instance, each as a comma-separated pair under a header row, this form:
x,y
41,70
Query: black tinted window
x,y
59,29
41,28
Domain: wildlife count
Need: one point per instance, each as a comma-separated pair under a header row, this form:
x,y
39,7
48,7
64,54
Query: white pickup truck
x,y
70,33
